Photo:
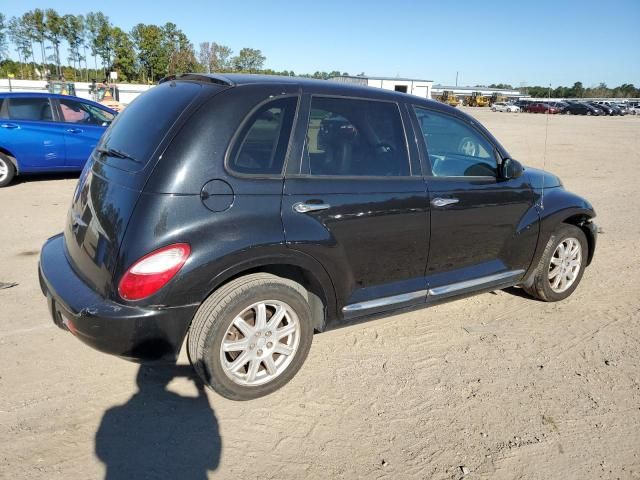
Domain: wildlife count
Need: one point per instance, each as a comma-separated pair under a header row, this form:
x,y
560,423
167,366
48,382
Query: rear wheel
x,y
7,170
250,337
562,265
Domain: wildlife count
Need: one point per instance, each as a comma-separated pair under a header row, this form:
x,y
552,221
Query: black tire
x,y
589,112
538,286
215,315
6,165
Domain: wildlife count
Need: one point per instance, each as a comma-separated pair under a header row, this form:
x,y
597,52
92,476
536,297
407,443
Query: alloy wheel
x,y
565,265
260,343
4,170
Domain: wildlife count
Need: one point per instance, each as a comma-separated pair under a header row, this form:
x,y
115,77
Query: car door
x,y
29,132
84,124
483,227
357,204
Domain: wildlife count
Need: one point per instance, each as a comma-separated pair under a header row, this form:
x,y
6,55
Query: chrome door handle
x,y
303,207
74,130
443,202
9,125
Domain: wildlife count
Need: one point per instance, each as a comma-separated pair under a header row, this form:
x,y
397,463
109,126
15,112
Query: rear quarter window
x,y
261,146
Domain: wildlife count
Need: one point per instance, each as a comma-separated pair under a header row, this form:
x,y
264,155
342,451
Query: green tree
x,y
215,57
19,36
73,32
97,25
35,23
54,33
248,60
3,36
177,50
124,57
148,41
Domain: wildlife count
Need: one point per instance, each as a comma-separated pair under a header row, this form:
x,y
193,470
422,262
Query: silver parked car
x,y
504,107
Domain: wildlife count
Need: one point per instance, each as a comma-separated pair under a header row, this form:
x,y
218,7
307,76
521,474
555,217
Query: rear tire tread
x,y
209,313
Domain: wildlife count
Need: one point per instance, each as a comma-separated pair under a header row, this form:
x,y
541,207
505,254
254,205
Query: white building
x,y
467,91
420,88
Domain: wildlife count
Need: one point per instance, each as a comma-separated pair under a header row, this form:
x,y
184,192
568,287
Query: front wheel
x,y
250,337
7,170
562,265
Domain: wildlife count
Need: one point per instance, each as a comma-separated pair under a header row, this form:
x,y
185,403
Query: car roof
x,y
315,85
52,95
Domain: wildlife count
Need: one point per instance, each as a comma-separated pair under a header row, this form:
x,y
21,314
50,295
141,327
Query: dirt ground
x,y
497,386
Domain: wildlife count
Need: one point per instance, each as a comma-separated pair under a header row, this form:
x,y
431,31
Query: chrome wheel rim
x,y
260,343
565,265
4,170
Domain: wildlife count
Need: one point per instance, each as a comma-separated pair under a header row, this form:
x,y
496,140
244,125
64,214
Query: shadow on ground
x,y
159,434
41,177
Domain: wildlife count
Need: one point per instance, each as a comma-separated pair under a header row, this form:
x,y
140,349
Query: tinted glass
x,y
455,149
262,143
141,126
35,108
356,137
85,113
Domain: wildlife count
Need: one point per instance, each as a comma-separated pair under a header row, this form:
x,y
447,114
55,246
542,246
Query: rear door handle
x,y
443,202
303,207
74,130
9,125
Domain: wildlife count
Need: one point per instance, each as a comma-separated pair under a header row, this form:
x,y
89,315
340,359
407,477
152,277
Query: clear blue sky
x,y
532,43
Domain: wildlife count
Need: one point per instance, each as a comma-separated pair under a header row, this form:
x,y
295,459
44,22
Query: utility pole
x,y
456,79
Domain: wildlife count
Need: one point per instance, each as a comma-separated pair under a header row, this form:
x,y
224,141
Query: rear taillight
x,y
153,271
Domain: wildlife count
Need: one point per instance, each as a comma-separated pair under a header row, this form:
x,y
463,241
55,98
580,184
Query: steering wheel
x,y
469,147
384,148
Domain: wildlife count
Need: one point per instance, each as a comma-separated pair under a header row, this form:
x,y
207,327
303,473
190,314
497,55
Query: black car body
x,y
370,201
606,109
580,108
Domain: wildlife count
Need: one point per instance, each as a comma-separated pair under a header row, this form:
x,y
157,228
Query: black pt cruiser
x,y
247,212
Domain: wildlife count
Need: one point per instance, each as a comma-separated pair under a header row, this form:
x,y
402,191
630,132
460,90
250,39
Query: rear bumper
x,y
128,331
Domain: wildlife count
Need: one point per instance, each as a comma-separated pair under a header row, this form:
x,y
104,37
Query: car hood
x,y
540,178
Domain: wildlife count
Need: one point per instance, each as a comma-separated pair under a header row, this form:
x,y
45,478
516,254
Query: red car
x,y
542,108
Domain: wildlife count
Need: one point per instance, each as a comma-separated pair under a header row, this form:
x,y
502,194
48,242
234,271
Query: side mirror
x,y
511,168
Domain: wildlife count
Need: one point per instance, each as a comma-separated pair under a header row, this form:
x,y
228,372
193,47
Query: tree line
x,y
95,47
149,52
626,90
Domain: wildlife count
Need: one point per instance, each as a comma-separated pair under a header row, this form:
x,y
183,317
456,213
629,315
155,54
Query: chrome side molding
x,y
381,302
433,292
475,282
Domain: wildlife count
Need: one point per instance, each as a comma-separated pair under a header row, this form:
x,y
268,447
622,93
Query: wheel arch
x,y
582,221
12,158
293,266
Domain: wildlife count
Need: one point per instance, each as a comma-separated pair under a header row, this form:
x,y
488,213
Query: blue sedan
x,y
44,132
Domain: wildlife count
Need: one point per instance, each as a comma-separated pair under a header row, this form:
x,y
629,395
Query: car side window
x,y
262,144
349,137
34,109
80,112
455,149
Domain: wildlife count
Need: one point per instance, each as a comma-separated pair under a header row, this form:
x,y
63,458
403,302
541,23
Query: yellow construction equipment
x,y
61,87
497,98
449,98
107,94
477,100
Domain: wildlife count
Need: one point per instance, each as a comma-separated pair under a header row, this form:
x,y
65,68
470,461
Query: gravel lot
x,y
495,386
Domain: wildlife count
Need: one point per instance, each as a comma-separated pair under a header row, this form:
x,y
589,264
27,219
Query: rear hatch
x,y
116,173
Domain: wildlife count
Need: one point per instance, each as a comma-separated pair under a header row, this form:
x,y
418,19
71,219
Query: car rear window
x,y
141,127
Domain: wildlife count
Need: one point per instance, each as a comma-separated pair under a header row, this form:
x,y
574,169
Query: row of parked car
x,y
570,107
